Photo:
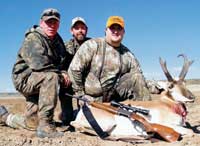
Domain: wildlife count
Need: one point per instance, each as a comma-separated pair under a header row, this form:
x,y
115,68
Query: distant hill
x,y
189,81
14,94
11,94
192,81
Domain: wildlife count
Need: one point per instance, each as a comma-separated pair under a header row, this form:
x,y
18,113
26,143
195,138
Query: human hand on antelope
x,y
66,81
85,97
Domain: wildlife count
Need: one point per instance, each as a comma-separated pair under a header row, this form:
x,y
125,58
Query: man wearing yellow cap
x,y
104,69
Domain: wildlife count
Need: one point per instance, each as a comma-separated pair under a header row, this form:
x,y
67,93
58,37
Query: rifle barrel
x,y
130,108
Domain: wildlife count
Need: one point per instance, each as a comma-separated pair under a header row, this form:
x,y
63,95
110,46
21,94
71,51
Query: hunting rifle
x,y
167,133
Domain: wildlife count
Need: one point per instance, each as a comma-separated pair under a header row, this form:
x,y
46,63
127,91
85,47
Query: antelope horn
x,y
185,67
165,70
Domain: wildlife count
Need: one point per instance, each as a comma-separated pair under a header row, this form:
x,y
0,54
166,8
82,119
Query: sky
x,y
153,29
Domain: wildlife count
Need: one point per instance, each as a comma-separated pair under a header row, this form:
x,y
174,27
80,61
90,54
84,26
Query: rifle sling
x,y
107,94
92,121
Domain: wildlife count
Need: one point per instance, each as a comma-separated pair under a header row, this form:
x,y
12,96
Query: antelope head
x,y
177,87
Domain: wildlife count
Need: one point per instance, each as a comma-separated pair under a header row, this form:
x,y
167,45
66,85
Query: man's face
x,y
79,31
114,34
50,27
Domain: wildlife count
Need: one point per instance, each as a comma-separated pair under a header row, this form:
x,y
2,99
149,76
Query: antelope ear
x,y
162,85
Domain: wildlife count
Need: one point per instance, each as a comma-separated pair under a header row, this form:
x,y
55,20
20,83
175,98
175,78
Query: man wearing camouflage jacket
x,y
40,74
104,69
79,32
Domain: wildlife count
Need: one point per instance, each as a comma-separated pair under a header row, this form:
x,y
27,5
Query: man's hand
x,y
89,98
66,81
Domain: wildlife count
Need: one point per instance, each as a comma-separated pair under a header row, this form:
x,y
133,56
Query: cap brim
x,y
45,18
72,25
115,23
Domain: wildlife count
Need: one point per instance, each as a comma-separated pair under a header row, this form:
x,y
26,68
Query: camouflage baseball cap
x,y
115,20
50,13
78,19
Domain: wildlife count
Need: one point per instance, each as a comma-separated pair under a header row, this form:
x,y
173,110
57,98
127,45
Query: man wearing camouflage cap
x,y
104,69
40,75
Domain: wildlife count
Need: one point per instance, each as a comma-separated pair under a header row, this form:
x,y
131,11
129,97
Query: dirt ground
x,y
21,137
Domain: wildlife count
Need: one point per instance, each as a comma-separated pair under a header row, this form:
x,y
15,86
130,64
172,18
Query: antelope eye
x,y
171,86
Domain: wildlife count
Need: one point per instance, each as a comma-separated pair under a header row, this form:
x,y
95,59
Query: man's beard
x,y
80,37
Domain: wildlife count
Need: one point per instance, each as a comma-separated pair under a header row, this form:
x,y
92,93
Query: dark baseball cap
x,y
50,13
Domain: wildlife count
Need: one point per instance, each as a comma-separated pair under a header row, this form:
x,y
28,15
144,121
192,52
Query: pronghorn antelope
x,y
169,110
177,86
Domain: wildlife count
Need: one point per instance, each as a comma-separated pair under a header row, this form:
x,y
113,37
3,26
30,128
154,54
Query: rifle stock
x,y
167,133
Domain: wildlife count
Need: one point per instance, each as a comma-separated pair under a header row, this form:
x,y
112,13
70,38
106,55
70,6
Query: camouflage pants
x,y
130,87
42,90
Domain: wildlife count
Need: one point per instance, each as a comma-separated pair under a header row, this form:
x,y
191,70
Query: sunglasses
x,y
116,27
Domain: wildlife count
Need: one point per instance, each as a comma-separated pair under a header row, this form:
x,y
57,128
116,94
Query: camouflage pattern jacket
x,y
72,46
84,70
39,54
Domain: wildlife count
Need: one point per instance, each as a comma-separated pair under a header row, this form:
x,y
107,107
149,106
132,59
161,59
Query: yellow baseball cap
x,y
115,20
